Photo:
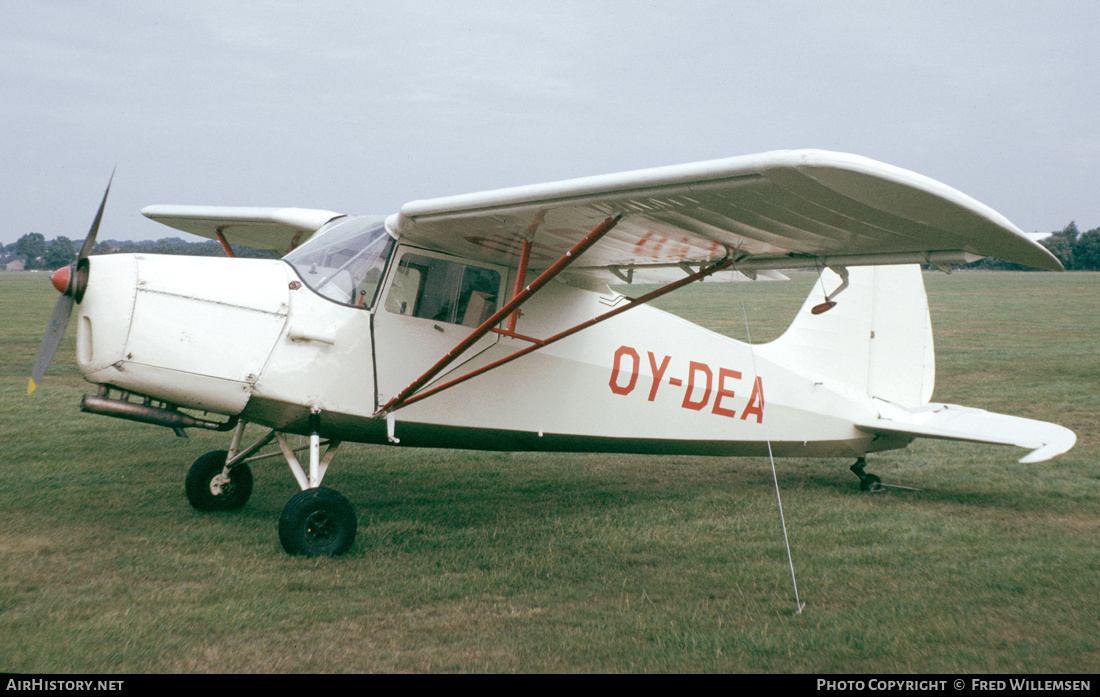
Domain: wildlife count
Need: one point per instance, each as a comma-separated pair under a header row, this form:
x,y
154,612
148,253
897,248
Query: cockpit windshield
x,y
345,260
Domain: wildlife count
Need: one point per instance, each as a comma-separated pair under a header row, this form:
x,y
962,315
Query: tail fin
x,y
877,340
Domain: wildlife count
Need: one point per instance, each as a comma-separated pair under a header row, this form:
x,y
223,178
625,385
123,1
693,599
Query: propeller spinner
x,y
70,281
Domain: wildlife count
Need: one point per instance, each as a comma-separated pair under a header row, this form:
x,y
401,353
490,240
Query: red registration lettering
x,y
700,384
694,368
633,379
756,402
724,373
658,373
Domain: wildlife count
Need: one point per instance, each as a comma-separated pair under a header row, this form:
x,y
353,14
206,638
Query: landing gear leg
x,y
317,521
220,480
867,482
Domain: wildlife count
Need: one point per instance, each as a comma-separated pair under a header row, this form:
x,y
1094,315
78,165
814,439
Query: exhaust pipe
x,y
146,413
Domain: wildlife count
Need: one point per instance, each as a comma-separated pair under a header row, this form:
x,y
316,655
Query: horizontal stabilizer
x,y
952,422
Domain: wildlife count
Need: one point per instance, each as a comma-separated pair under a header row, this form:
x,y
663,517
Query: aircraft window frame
x,y
445,289
346,261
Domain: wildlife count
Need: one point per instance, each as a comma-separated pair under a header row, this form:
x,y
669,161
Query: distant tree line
x,y
37,253
1076,250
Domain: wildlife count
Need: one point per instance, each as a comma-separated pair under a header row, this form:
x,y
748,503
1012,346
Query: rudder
x,y
877,340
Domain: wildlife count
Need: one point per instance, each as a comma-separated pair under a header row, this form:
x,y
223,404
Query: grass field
x,y
470,561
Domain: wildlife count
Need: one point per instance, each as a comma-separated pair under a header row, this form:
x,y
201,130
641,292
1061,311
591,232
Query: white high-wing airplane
x,y
484,321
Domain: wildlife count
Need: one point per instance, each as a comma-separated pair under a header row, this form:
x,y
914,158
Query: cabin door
x,y
430,303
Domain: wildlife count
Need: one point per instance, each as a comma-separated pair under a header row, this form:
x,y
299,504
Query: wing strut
x,y
539,343
518,299
521,277
225,243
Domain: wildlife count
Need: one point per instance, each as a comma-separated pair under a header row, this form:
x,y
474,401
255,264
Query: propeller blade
x,y
54,333
71,294
89,241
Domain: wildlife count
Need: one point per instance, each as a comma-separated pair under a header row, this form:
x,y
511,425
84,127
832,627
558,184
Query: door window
x,y
443,290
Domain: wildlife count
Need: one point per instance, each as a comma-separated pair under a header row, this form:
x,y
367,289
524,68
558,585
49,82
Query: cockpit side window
x,y
345,260
443,290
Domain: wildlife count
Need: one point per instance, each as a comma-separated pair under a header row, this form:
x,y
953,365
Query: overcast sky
x,y
358,107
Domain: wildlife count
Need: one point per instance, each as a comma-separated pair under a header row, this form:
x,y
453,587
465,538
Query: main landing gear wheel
x,y
210,488
317,522
867,482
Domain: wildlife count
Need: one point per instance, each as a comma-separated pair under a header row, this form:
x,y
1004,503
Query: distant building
x,y
15,265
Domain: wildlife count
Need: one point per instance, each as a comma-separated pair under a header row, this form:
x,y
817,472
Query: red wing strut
x,y
523,296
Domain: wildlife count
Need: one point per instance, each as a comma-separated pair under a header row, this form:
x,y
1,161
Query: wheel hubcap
x,y
221,485
319,526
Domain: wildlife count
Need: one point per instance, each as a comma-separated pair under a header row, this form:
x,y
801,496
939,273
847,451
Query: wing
x,y
276,229
784,209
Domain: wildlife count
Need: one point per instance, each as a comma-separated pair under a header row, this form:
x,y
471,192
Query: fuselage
x,y
269,340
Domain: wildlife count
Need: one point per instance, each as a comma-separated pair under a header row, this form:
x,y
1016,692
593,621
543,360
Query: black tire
x,y
317,523
207,490
870,482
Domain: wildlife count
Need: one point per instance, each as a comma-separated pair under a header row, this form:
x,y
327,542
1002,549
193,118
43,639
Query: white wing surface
x,y
783,209
276,229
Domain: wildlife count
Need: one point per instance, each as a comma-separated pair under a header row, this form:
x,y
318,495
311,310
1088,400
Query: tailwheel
x,y
872,482
211,486
317,522
867,482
